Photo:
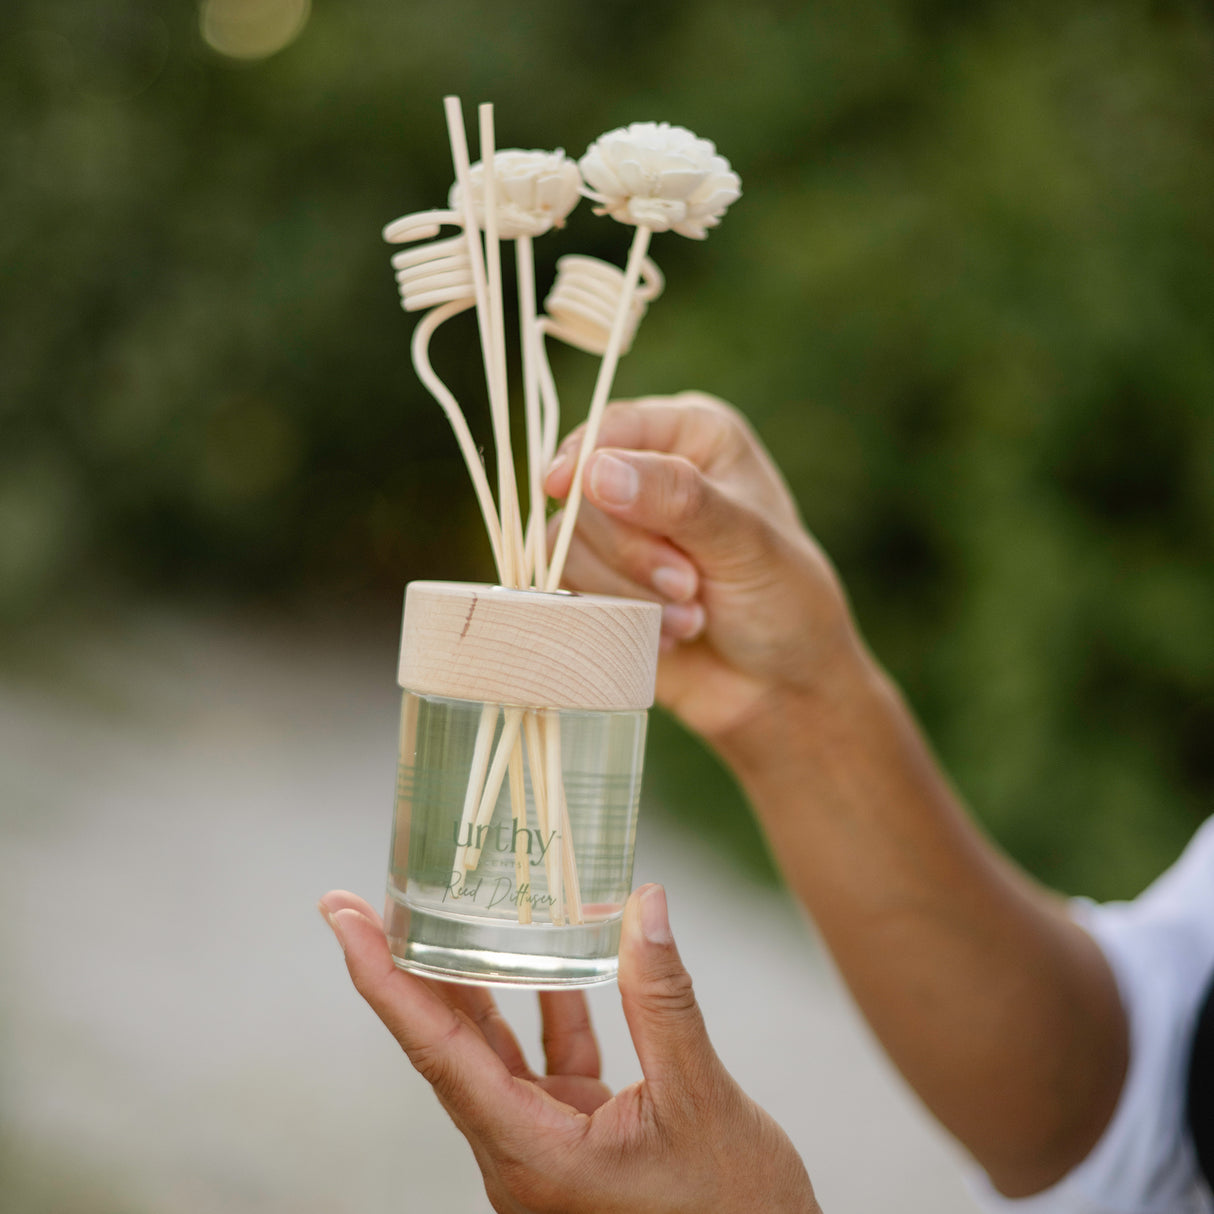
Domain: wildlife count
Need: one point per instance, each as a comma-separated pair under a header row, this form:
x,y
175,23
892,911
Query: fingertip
x,y
347,924
683,621
647,917
559,475
677,582
329,906
655,915
340,899
360,937
631,936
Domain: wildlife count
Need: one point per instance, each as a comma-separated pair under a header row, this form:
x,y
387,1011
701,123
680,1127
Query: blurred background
x,y
967,299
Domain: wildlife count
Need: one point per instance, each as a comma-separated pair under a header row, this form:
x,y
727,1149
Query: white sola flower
x,y
659,176
535,191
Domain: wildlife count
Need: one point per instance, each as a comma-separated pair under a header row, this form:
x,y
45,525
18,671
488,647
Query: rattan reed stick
x,y
476,783
512,535
598,403
537,539
522,838
533,733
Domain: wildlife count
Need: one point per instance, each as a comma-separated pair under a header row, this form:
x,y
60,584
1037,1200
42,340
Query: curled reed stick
x,y
450,406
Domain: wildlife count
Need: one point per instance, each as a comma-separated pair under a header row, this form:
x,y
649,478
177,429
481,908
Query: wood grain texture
x,y
527,648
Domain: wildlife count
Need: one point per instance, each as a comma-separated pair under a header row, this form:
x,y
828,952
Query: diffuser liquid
x,y
524,881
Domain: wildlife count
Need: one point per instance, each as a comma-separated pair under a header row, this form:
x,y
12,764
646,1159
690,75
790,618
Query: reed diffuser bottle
x,y
521,742
523,720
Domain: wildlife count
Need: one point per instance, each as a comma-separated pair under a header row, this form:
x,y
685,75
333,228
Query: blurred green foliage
x,y
968,299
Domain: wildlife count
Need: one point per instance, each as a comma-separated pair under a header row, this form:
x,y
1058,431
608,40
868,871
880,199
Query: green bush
x,y
967,298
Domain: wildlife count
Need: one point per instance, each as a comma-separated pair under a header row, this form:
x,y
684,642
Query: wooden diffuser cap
x,y
467,641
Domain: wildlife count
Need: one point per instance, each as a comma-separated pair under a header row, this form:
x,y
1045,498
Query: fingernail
x,y
673,582
655,919
562,458
333,924
683,620
614,481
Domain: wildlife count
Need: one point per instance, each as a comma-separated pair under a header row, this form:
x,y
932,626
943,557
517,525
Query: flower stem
x,y
598,403
530,338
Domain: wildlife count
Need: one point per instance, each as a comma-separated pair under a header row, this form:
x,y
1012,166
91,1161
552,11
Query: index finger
x,y
445,1048
570,1046
481,1008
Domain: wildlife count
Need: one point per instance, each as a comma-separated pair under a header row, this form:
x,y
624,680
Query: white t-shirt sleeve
x,y
1161,950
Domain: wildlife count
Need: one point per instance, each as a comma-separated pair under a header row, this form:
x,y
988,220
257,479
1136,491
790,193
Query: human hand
x,y
685,1138
683,504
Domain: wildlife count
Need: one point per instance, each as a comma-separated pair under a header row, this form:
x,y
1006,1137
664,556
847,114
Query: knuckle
x,y
558,1045
762,540
370,984
709,410
636,556
670,991
431,1059
729,413
571,443
710,430
685,492
429,1063
705,402
618,422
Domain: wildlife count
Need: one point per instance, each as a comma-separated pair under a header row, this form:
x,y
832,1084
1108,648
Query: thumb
x,y
667,1029
670,496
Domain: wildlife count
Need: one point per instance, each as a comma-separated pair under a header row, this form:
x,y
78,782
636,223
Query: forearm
x,y
1000,1012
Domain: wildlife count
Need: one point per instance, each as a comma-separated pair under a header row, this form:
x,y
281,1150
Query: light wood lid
x,y
522,647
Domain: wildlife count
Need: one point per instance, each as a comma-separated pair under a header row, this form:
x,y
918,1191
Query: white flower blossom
x,y
659,176
535,191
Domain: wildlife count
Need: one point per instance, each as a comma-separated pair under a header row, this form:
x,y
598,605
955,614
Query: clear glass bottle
x,y
521,745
